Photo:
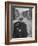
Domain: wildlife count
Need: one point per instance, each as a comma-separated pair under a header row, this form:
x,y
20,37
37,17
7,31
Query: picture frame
x,y
20,9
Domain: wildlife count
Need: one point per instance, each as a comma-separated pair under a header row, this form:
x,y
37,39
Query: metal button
x,y
19,30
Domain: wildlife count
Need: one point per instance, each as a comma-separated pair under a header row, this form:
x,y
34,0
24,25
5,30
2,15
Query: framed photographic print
x,y
20,22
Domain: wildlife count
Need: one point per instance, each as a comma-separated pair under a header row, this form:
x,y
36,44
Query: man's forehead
x,y
22,9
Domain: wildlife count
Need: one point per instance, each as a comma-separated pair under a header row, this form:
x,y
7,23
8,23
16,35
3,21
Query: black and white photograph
x,y
21,22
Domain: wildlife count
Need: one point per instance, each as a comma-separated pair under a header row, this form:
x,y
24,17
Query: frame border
x,y
7,22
